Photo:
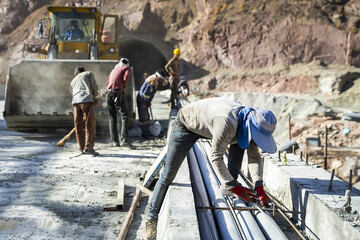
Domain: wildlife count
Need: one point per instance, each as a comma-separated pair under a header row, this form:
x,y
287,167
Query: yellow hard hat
x,y
177,51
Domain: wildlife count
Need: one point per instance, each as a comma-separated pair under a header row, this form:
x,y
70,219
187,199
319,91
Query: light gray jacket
x,y
83,88
216,119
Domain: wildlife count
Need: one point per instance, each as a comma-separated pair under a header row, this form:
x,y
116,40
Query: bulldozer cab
x,y
78,33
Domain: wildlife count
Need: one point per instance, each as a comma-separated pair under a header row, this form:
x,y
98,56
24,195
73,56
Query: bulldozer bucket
x,y
37,94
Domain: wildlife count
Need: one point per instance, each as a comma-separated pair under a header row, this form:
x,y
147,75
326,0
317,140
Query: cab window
x,y
109,30
72,26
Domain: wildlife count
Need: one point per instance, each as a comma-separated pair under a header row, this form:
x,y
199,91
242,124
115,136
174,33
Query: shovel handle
x,y
151,114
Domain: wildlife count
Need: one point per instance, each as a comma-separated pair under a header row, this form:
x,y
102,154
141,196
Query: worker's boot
x,y
125,143
150,229
91,152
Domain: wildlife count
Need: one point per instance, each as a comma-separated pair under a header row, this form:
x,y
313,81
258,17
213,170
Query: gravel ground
x,y
49,192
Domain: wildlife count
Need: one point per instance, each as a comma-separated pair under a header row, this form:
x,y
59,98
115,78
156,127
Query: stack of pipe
x,y
233,224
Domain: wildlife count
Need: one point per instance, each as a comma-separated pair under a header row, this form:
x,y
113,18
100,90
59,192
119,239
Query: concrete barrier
x,y
177,218
304,188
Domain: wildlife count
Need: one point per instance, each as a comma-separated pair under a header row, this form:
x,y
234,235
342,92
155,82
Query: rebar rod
x,y
331,180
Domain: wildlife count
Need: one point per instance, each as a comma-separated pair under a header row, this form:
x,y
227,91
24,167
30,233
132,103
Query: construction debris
x,y
347,206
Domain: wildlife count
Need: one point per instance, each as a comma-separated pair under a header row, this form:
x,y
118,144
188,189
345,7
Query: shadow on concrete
x,y
121,155
181,184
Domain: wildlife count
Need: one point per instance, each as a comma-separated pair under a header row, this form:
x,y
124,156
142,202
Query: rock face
x,y
14,12
250,34
225,34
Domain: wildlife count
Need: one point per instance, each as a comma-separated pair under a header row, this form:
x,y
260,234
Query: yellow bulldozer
x,y
37,94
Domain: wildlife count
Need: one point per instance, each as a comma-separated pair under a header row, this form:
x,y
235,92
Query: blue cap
x,y
257,125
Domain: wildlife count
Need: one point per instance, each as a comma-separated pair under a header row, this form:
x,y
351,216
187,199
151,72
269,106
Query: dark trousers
x,y
84,113
144,116
174,81
235,158
180,142
116,104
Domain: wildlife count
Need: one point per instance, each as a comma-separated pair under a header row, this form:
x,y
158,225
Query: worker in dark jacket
x,y
74,33
144,98
84,90
172,67
115,97
226,123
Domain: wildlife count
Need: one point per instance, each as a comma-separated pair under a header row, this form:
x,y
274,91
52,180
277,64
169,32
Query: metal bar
x,y
325,148
280,211
289,127
291,224
350,180
142,177
245,209
331,180
151,114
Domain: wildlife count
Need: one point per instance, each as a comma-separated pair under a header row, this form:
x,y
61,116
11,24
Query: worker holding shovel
x,y
143,100
226,123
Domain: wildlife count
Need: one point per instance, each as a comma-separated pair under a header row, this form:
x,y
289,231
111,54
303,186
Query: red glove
x,y
173,74
265,200
149,104
245,194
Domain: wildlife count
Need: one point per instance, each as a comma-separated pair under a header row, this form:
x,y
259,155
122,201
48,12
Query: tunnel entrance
x,y
143,56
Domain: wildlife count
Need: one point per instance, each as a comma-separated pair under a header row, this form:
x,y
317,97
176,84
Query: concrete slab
x,y
304,188
177,218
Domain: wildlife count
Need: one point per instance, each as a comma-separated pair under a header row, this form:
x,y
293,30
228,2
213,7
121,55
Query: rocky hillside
x,y
212,34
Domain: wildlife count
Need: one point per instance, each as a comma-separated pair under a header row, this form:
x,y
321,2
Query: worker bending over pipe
x,y
224,122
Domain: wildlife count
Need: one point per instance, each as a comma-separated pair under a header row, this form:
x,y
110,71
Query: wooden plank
x,y
126,225
155,168
144,190
110,207
149,178
120,194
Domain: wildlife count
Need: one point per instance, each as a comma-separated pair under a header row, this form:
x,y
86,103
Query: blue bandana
x,y
243,131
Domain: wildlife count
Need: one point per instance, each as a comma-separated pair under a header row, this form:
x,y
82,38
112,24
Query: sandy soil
x,y
49,192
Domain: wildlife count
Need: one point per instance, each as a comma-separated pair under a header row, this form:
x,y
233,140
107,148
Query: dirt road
x,y
47,192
